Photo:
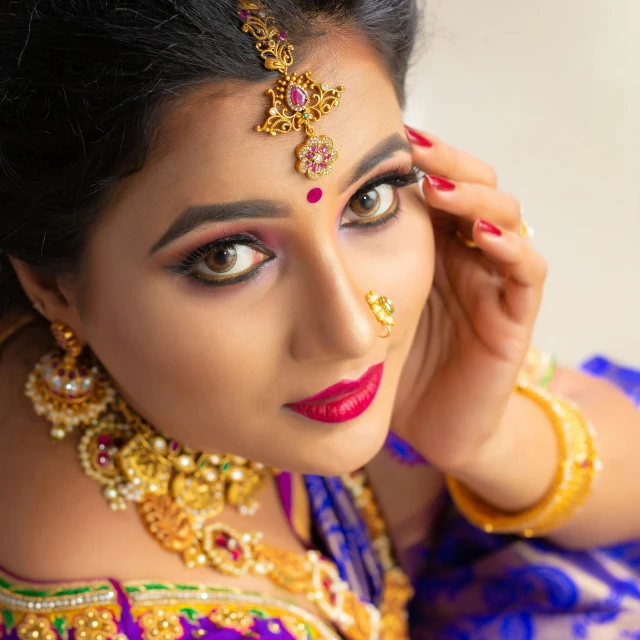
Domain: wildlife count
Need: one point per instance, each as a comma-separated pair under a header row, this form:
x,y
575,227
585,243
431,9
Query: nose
x,y
333,318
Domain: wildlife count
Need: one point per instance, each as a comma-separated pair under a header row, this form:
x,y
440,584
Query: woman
x,y
218,297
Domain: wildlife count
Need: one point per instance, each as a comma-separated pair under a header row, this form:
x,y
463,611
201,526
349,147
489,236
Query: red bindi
x,y
314,195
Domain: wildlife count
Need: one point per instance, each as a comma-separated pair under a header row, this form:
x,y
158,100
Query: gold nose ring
x,y
383,309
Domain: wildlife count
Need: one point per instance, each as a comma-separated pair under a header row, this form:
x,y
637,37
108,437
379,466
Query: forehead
x,y
212,134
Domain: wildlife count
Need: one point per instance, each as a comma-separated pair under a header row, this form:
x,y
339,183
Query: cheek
x,y
187,358
399,261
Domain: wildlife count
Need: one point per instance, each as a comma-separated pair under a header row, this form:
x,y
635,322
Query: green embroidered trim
x,y
71,592
31,593
143,587
192,614
60,625
8,621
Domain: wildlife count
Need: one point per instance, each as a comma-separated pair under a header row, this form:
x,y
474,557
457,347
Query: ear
x,y
50,295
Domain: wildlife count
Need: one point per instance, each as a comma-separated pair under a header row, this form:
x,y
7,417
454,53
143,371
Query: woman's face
x,y
212,320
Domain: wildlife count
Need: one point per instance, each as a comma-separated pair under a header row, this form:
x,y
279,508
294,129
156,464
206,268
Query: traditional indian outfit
x,y
473,585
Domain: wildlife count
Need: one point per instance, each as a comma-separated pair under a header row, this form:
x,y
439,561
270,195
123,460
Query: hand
x,y
479,317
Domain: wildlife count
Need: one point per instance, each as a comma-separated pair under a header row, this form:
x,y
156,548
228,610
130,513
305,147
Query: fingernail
x,y
440,183
417,138
487,227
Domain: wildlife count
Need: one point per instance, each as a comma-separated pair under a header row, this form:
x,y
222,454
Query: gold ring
x,y
467,242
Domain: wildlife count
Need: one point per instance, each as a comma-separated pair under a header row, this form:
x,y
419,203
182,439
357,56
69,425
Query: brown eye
x,y
221,260
375,203
366,204
226,262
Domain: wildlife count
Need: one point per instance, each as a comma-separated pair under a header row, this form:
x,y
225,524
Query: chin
x,y
343,450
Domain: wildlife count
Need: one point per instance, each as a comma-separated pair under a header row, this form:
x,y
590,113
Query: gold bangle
x,y
577,471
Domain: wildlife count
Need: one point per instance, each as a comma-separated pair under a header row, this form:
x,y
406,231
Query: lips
x,y
343,401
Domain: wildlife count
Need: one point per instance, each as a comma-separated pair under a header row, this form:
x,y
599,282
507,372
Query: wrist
x,y
515,467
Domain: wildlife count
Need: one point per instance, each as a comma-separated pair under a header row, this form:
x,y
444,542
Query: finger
x,y
432,155
524,268
470,201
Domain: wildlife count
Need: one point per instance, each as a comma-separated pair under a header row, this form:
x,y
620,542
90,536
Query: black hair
x,y
84,86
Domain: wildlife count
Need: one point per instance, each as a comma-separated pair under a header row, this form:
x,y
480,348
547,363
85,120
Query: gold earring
x,y
65,387
383,309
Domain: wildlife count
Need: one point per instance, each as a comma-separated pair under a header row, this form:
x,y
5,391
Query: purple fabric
x,y
402,451
345,536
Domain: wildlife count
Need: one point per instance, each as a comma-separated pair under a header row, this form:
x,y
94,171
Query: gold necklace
x,y
178,491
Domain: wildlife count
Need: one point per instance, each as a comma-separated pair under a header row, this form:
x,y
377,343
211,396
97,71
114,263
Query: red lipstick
x,y
343,401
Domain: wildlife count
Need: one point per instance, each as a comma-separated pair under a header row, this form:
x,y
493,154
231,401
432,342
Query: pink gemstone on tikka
x,y
323,148
314,149
243,15
315,167
323,164
298,97
283,36
309,155
174,445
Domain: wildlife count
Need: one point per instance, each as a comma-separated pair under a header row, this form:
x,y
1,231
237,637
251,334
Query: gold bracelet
x,y
575,477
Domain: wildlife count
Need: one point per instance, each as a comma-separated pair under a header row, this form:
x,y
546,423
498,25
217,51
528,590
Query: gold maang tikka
x,y
296,100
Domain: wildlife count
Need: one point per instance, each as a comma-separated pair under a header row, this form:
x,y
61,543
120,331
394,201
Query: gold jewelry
x,y
538,368
66,388
526,231
178,491
296,100
467,242
383,309
576,475
13,325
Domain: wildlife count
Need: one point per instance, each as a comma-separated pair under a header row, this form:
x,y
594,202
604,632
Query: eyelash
x,y
398,178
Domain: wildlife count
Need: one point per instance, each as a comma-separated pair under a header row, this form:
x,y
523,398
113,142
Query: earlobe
x,y
48,296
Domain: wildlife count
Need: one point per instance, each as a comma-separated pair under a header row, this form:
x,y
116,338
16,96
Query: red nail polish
x,y
418,138
440,183
487,227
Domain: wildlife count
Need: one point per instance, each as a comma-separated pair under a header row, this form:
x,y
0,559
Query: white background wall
x,y
548,92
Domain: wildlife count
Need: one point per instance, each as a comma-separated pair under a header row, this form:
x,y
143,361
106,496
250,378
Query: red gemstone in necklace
x,y
225,541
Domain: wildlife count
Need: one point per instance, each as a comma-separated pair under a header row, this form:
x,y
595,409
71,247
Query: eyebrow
x,y
382,151
195,216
